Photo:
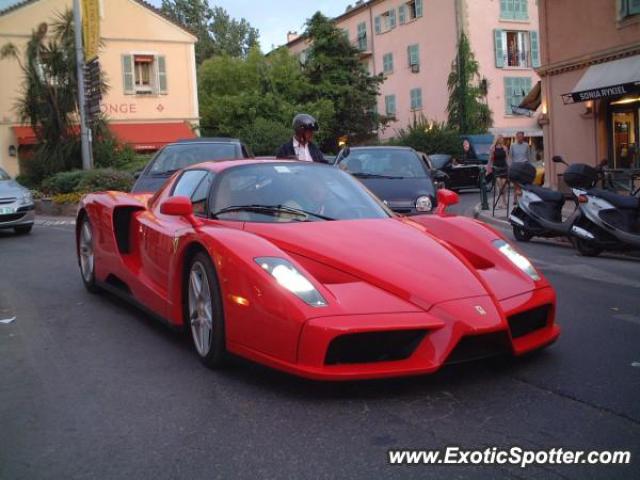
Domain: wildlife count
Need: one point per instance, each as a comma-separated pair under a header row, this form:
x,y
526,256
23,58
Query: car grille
x,y
12,217
475,347
6,200
370,347
524,323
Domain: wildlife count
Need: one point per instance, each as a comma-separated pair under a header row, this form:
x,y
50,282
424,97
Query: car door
x,y
160,232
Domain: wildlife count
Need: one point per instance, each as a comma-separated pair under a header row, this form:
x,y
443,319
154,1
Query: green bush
x,y
430,138
63,182
264,136
105,179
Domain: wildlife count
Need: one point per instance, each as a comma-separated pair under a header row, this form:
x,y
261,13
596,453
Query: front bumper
x,y
22,216
451,332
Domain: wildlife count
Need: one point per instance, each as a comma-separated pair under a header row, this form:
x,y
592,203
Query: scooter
x,y
538,212
611,220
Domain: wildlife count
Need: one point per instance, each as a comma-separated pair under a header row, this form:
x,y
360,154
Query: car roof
x,y
226,164
381,147
208,140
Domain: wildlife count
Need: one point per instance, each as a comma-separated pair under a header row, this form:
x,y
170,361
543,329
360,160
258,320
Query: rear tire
x,y
521,234
203,315
585,248
86,255
23,229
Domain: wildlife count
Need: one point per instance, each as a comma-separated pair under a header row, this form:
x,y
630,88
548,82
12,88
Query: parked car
x,y
457,176
297,266
184,153
397,175
16,205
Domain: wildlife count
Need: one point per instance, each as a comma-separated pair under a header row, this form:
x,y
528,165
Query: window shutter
x,y
162,74
392,18
378,24
390,105
413,54
402,14
499,48
508,94
505,11
418,8
522,9
535,49
634,7
127,74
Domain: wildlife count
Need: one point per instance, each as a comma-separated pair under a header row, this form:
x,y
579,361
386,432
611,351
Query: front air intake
x,y
371,347
529,321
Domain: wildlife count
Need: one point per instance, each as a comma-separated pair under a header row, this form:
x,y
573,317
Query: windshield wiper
x,y
271,209
165,173
374,175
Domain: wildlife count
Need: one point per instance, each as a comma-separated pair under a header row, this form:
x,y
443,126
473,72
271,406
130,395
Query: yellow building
x,y
150,68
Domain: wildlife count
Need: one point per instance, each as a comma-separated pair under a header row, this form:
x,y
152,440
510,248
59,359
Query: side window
x,y
201,195
188,183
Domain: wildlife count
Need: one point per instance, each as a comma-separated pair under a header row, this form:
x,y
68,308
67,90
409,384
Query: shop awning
x,y
608,79
511,132
150,136
140,136
533,99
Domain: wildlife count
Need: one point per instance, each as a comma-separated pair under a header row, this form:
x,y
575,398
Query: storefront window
x,y
624,129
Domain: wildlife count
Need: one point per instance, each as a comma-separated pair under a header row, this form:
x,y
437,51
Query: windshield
x,y
439,160
292,192
4,175
384,162
179,156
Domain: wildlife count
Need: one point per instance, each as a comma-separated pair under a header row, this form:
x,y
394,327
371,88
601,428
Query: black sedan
x,y
457,175
397,175
183,153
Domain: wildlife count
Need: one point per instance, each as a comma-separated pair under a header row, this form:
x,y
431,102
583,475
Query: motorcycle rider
x,y
301,146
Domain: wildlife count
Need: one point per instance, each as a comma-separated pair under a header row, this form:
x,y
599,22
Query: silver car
x,y
16,205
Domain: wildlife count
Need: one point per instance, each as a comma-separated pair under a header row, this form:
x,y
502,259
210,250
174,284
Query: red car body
x,y
404,295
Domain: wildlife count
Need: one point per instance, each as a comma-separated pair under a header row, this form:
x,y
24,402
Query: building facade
x,y
414,42
150,69
590,83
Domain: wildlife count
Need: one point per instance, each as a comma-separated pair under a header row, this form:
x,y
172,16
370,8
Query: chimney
x,y
291,36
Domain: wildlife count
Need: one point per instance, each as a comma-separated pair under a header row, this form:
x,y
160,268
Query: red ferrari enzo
x,y
298,266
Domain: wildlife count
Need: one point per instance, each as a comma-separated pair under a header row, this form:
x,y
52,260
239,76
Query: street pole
x,y
85,133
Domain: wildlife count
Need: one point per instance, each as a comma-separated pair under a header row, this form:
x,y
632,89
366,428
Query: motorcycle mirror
x,y
346,152
558,159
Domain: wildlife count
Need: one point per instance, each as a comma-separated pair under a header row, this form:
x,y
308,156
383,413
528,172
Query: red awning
x,y
150,136
140,136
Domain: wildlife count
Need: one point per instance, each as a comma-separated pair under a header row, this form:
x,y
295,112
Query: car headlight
x,y
517,259
27,198
290,278
424,204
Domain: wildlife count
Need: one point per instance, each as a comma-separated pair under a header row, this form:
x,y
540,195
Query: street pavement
x,y
92,388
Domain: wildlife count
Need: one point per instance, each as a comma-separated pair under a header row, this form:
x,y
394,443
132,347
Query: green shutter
x,y
521,10
499,48
378,25
416,98
506,9
634,7
535,49
127,74
508,94
162,74
413,54
392,18
387,63
390,105
418,8
402,14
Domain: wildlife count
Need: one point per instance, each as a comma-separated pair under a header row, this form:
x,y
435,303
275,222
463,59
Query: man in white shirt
x,y
301,146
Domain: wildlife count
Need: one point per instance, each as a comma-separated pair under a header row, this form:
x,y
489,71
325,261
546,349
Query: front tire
x,y
585,248
86,255
204,316
521,234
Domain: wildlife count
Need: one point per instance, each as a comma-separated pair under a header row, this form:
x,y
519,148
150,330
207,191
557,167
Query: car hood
x,y
392,254
399,189
11,188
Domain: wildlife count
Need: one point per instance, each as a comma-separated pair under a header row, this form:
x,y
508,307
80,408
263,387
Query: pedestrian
x,y
498,166
468,152
301,146
519,152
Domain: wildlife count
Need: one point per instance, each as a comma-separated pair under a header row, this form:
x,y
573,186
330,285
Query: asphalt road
x,y
92,388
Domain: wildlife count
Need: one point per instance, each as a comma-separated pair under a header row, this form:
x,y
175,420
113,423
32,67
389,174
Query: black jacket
x,y
286,150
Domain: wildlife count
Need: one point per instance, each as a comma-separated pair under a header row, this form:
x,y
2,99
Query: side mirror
x,y
345,152
177,206
446,198
558,159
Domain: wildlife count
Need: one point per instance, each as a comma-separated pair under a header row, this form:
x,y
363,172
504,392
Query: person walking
x,y
498,166
519,152
301,146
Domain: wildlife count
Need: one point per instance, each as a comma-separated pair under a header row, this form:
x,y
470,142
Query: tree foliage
x,y
429,137
255,98
217,32
467,107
